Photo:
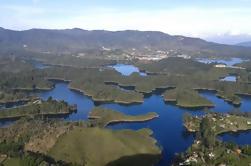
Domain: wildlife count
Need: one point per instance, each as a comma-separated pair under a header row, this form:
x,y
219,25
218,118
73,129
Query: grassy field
x,y
12,162
98,147
103,117
186,98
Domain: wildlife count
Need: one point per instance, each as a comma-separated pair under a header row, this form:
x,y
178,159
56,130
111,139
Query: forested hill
x,y
141,42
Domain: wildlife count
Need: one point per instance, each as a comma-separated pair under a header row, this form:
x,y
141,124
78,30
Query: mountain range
x,y
245,44
137,42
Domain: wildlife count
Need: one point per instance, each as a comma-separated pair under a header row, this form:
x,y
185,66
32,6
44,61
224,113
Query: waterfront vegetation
x,y
38,108
220,153
221,123
9,96
89,143
229,96
76,144
92,80
27,141
175,65
14,65
186,98
207,149
102,117
98,147
77,61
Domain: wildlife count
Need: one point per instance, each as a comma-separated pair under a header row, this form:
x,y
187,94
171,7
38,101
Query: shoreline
x,y
47,114
15,101
174,101
124,120
103,100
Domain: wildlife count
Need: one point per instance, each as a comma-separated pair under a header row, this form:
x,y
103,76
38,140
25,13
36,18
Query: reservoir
x,y
127,70
229,78
229,62
168,128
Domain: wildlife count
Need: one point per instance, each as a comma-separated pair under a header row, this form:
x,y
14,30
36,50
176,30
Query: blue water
x,y
39,65
229,78
6,123
168,129
12,105
230,62
241,138
219,104
62,92
127,69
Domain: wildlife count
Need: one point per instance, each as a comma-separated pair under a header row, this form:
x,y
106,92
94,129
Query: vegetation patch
x,y
98,147
38,108
103,117
221,123
186,98
207,150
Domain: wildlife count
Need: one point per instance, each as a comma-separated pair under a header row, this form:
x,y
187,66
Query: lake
x,y
127,70
229,78
168,129
241,138
229,62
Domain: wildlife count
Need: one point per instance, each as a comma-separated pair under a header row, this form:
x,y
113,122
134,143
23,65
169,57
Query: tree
x,y
49,99
206,133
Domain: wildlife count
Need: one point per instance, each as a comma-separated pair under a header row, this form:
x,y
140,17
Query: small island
x,y
102,117
186,98
229,97
108,93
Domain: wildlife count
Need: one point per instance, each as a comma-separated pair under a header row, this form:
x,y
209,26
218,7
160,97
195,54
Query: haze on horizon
x,y
225,21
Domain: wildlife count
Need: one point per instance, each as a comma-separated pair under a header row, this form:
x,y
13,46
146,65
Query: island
x,y
230,97
102,117
188,98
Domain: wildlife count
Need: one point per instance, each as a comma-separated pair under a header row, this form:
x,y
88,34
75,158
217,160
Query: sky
x,y
196,18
